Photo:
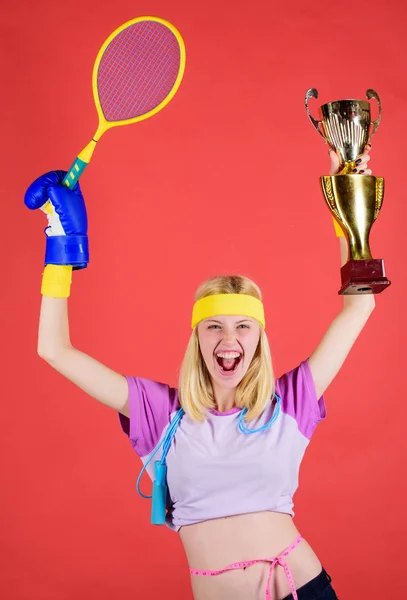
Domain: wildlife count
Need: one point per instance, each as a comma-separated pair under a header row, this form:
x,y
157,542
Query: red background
x,y
225,179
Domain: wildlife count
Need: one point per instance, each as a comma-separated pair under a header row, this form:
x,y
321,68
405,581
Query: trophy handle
x,y
379,196
375,124
313,93
326,184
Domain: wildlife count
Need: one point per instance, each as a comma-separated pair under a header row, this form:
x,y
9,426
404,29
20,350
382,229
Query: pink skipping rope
x,y
278,560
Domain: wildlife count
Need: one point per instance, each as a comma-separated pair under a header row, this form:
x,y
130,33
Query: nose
x,y
229,336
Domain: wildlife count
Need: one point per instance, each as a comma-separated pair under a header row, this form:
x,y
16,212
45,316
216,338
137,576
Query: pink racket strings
x,y
137,70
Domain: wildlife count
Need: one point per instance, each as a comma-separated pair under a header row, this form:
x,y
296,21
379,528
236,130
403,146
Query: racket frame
x,y
84,157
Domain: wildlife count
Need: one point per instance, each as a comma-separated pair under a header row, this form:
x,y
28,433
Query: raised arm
x,y
91,376
67,247
330,354
344,330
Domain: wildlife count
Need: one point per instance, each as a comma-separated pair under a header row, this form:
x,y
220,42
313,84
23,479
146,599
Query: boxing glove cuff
x,y
69,250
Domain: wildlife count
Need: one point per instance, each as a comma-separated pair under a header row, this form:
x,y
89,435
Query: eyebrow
x,y
220,322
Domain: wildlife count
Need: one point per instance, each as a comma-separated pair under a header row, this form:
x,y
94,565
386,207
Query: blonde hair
x,y
257,386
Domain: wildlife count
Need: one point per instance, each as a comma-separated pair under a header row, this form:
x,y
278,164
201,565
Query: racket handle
x,y
76,170
80,164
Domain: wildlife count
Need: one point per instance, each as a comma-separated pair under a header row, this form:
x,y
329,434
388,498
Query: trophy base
x,y
363,277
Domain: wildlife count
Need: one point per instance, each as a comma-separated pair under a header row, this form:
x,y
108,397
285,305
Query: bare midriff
x,y
217,543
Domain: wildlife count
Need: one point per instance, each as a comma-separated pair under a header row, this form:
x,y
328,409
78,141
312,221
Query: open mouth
x,y
228,362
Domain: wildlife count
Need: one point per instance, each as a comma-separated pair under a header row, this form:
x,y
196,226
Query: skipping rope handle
x,y
159,494
160,490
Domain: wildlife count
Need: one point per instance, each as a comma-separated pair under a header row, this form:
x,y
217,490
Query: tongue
x,y
228,364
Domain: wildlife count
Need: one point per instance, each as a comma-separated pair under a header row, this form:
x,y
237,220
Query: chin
x,y
228,384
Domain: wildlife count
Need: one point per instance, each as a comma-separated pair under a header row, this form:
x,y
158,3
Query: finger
x,y
362,161
364,172
335,162
332,154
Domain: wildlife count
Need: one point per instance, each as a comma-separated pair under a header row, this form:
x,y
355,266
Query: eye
x,y
244,326
213,326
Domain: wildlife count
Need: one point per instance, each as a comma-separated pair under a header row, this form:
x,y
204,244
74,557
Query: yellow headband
x,y
228,304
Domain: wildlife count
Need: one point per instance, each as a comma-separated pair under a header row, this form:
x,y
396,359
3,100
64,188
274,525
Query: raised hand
x,y
67,240
361,164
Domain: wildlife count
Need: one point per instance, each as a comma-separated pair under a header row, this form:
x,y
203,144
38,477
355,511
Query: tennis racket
x,y
137,71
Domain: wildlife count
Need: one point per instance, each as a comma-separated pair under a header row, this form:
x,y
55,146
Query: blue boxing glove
x,y
67,240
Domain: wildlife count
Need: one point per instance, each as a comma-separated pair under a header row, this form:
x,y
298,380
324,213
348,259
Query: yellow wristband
x,y
338,229
56,281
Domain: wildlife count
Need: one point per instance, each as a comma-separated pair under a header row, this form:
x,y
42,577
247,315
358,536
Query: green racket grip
x,y
80,164
74,172
78,167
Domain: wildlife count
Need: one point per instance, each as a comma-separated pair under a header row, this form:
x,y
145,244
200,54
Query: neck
x,y
224,398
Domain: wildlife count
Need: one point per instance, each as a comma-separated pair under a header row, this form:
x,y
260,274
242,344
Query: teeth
x,y
228,355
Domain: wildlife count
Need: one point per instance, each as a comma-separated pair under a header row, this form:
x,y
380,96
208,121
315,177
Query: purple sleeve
x,y
299,400
151,405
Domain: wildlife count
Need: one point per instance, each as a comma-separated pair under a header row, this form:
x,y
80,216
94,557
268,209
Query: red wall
x,y
225,179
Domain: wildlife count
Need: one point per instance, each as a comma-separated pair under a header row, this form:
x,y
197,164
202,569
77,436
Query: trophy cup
x,y
354,200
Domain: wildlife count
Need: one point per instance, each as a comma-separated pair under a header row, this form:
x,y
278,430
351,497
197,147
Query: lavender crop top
x,y
214,470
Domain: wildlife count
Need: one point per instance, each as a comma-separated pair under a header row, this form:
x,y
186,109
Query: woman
x,y
235,446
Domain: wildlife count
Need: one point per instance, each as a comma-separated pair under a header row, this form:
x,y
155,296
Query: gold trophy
x,y
354,200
